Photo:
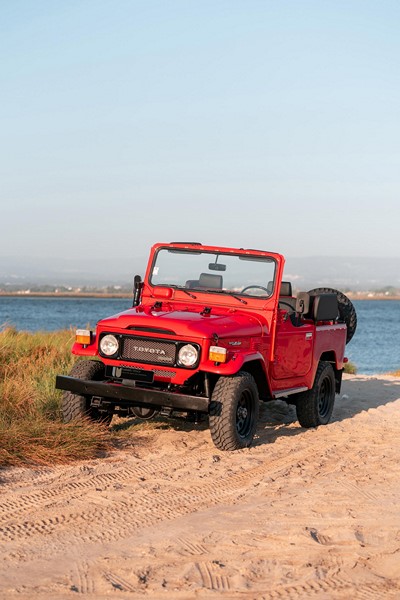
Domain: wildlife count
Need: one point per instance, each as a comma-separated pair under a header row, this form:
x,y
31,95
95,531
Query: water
x,y
375,347
50,314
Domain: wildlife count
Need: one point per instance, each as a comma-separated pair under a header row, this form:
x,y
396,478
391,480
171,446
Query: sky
x,y
264,124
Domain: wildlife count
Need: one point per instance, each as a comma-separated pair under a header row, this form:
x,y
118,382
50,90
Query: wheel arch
x,y
330,357
256,368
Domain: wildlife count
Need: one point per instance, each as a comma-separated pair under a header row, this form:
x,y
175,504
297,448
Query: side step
x,y
289,392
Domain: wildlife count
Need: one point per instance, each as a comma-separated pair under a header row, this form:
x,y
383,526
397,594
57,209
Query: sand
x,y
301,514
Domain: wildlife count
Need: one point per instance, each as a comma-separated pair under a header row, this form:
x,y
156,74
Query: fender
x,y
89,350
235,364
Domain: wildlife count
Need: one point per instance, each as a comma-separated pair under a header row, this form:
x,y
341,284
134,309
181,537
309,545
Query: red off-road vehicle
x,y
213,330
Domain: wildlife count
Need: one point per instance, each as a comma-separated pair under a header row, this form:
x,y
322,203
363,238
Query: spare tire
x,y
347,312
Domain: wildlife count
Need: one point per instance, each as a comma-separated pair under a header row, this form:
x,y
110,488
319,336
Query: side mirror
x,y
137,288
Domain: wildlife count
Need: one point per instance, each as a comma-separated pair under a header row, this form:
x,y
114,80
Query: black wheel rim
x,y
244,413
325,397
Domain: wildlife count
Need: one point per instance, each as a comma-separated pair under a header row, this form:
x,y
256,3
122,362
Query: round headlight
x,y
109,345
188,355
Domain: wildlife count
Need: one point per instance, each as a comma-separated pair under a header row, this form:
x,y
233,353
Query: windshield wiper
x,y
176,287
214,291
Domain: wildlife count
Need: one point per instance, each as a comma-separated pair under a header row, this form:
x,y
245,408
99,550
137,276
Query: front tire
x,y
75,406
315,406
233,411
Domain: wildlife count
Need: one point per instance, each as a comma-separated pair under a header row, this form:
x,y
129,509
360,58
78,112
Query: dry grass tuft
x,y
31,430
350,368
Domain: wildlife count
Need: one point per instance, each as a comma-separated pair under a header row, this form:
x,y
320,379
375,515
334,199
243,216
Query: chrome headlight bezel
x,y
109,345
188,356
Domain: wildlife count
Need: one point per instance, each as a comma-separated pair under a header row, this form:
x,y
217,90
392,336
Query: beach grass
x,y
31,429
350,368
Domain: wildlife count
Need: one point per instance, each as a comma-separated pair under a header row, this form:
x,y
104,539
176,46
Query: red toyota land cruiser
x,y
213,330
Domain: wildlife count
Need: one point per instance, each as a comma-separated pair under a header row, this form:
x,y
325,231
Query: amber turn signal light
x,y
83,336
217,354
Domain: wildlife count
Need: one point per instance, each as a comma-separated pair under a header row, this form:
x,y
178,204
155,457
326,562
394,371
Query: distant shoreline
x,y
66,295
367,297
74,295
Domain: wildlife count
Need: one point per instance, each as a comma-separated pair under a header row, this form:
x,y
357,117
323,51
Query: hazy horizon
x,y
350,272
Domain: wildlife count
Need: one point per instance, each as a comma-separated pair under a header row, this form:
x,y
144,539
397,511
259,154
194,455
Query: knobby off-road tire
x,y
315,406
234,411
347,312
75,406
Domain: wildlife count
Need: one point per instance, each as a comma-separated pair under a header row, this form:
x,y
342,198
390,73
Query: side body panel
x,y
327,342
293,349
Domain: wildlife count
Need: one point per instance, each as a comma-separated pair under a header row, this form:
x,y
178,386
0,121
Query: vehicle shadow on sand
x,y
277,418
358,394
159,422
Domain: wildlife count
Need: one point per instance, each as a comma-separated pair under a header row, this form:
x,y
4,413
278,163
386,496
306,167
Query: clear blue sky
x,y
267,124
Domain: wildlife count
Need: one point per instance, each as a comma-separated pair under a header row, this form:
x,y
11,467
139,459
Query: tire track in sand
x,y
24,503
144,509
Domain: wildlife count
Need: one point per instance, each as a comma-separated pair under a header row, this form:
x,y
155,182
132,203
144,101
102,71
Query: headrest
x,y
191,283
325,307
286,289
210,281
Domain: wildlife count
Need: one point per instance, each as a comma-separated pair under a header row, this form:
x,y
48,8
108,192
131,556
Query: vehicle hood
x,y
185,323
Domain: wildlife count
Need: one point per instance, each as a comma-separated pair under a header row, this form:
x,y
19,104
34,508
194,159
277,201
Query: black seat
x,y
209,281
286,296
192,283
286,289
206,281
317,306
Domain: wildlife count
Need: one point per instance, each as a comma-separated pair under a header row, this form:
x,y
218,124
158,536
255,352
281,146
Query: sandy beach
x,y
301,514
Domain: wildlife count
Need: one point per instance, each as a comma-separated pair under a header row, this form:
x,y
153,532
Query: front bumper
x,y
137,396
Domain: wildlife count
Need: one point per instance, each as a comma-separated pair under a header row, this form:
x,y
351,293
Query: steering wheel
x,y
258,287
287,304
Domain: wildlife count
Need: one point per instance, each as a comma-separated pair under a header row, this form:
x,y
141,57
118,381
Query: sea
x,y
375,347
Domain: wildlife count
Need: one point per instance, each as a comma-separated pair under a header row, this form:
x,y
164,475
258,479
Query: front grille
x,y
148,351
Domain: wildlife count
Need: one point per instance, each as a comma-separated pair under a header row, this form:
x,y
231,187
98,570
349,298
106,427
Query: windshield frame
x,y
199,249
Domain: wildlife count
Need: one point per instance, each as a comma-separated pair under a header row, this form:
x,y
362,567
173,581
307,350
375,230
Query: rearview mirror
x,y
217,267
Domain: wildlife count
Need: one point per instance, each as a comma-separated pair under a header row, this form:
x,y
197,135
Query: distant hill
x,y
355,273
72,272
344,273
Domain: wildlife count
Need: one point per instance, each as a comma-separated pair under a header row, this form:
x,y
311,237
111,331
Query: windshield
x,y
216,272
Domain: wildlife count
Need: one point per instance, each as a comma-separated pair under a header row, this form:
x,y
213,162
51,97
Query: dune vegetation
x,y
31,430
350,368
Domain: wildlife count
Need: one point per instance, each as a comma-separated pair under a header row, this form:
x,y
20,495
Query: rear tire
x,y
75,406
347,312
315,406
233,411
